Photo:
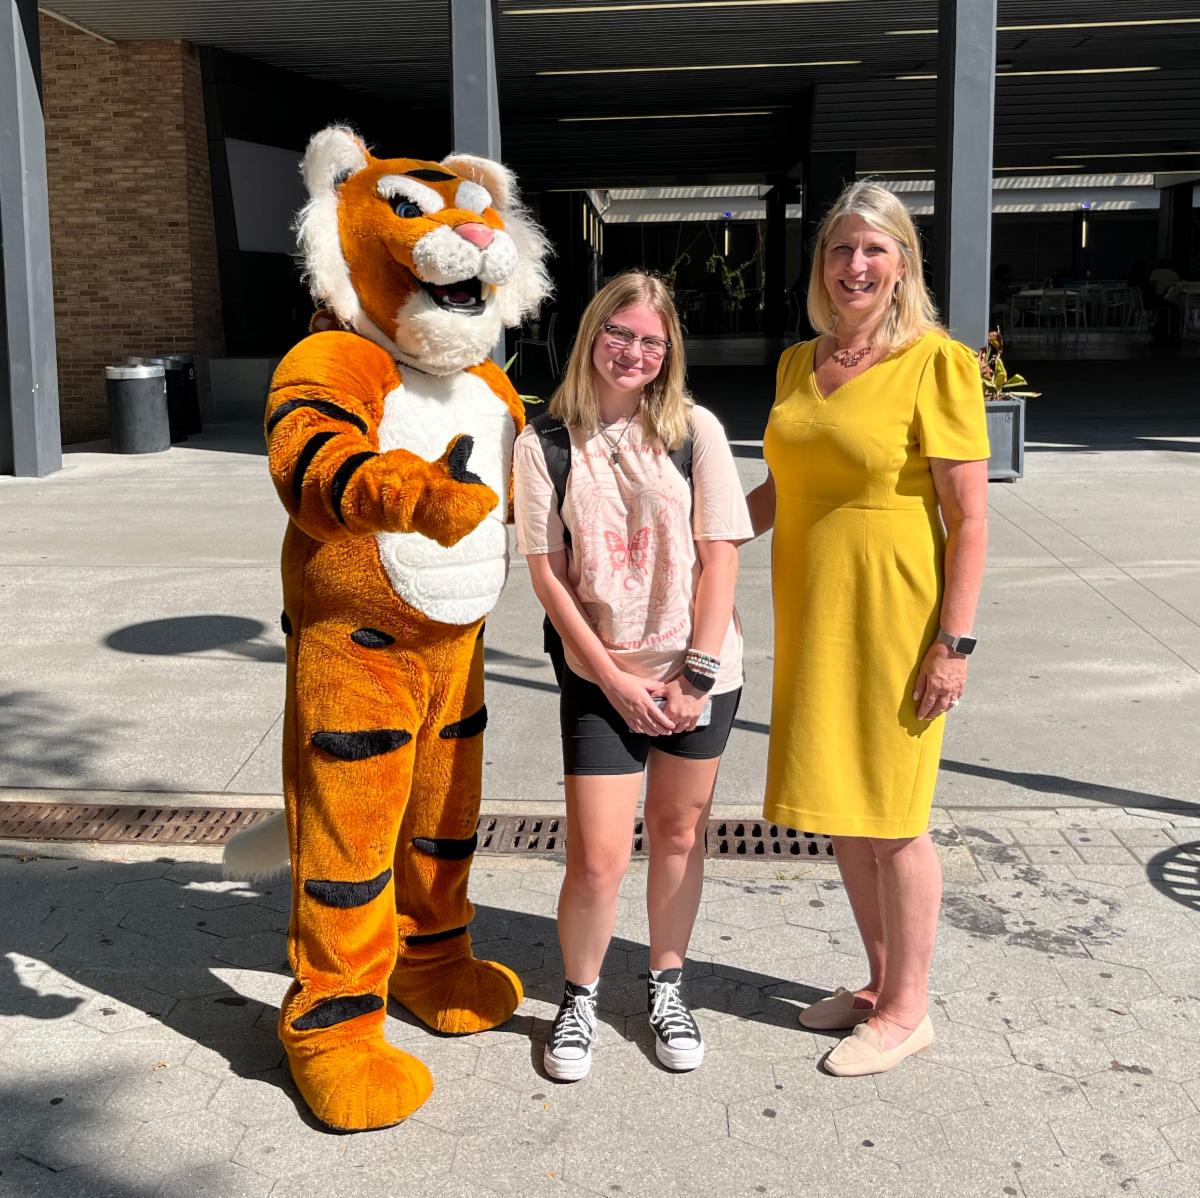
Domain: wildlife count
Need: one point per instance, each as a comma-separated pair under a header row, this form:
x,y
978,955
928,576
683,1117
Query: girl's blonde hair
x,y
912,310
665,401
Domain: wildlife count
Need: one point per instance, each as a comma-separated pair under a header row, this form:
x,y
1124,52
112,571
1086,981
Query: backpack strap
x,y
682,457
555,440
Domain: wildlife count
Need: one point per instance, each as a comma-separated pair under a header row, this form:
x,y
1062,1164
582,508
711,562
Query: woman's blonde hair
x,y
912,310
665,401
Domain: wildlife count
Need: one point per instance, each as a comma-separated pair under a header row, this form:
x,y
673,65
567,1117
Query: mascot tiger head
x,y
428,259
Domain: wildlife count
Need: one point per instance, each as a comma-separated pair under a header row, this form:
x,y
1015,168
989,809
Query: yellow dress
x,y
857,582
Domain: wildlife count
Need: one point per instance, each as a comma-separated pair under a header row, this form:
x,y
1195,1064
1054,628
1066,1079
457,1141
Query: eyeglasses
x,y
617,336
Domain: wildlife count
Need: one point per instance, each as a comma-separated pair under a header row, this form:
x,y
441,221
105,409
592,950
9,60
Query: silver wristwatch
x,y
959,644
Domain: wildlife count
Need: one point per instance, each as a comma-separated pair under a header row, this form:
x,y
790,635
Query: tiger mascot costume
x,y
390,442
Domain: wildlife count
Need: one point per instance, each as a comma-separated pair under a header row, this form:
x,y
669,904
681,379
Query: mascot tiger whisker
x,y
390,443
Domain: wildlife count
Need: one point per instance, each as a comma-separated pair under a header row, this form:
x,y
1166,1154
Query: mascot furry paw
x,y
390,441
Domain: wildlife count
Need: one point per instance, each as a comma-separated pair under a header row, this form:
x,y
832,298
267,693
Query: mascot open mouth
x,y
465,296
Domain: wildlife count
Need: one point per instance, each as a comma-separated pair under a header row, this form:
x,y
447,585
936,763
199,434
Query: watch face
x,y
965,644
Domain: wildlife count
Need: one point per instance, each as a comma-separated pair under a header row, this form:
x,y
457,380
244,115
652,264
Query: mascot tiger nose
x,y
390,441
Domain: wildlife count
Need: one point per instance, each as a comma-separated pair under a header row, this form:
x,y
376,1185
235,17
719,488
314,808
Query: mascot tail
x,y
258,852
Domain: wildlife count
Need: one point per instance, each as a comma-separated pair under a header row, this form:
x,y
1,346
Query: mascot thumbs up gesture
x,y
390,442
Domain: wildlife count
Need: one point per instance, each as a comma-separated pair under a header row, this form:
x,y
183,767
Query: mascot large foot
x,y
445,987
361,1086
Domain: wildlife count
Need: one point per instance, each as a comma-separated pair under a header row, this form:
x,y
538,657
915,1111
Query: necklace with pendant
x,y
849,358
614,446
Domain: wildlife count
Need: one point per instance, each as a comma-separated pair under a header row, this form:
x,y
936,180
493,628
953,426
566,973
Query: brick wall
x,y
131,225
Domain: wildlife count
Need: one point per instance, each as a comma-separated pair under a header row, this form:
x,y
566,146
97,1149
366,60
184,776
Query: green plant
x,y
524,398
997,382
733,278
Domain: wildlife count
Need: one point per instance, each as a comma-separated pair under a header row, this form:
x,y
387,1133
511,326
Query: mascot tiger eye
x,y
389,442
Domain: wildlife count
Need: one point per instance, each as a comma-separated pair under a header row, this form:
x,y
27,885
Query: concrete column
x,y
775,260
30,442
476,127
966,103
473,69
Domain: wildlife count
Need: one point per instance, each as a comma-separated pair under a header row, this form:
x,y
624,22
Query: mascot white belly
x,y
460,584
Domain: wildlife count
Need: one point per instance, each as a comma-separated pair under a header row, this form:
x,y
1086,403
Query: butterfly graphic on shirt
x,y
629,557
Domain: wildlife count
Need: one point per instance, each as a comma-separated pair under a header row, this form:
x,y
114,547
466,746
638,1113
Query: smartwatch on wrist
x,y
959,644
701,682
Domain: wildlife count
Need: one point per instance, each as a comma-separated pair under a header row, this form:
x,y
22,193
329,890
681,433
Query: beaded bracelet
x,y
705,663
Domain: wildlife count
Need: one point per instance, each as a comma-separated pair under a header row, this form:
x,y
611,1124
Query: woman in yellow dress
x,y
877,492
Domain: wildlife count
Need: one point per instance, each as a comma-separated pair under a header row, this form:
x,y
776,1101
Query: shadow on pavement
x,y
101,961
44,743
1175,873
1073,788
180,635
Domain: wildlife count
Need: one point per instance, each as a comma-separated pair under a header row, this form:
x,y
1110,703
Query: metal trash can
x,y
191,393
176,410
137,409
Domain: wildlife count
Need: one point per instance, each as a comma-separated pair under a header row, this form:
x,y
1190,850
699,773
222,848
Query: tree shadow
x,y
101,961
180,636
44,743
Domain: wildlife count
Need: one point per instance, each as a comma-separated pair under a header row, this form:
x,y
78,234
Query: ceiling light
x,y
1072,71
645,5
1139,154
725,66
1062,25
660,116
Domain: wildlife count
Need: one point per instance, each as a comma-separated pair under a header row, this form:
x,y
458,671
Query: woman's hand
x,y
940,681
685,704
633,699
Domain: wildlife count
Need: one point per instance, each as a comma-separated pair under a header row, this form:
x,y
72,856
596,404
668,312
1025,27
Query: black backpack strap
x,y
682,457
555,440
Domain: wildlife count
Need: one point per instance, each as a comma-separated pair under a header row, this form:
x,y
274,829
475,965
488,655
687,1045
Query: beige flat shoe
x,y
862,1051
835,1012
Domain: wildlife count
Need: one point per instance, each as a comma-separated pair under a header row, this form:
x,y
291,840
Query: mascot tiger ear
x,y
499,182
530,286
331,155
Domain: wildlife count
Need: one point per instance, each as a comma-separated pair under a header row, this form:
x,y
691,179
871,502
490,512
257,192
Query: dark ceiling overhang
x,y
749,113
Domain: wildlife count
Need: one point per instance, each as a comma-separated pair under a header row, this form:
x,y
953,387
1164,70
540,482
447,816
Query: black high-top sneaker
x,y
677,1041
568,1055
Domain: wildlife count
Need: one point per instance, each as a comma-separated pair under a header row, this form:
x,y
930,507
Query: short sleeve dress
x,y
857,582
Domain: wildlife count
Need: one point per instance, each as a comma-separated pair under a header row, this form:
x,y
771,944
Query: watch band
x,y
959,644
701,682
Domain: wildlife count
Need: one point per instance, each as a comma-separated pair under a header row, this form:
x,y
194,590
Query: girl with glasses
x,y
635,566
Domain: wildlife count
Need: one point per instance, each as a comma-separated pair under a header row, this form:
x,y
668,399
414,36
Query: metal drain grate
x,y
125,825
756,838
513,835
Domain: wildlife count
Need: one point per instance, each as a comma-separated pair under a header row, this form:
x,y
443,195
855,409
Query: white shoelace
x,y
670,1015
575,1024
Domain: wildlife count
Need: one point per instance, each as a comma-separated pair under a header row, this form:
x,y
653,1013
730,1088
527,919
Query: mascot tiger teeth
x,y
390,442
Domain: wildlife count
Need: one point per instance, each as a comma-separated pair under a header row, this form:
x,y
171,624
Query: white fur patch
x,y
441,256
471,197
441,342
499,260
423,415
330,154
392,186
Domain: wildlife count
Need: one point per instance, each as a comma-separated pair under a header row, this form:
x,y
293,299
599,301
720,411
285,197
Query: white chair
x,y
546,342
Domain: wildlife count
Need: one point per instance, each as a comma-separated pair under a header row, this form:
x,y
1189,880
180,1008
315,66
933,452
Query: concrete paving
x,y
138,992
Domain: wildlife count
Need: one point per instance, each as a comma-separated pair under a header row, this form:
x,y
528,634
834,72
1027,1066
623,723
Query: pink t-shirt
x,y
633,562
